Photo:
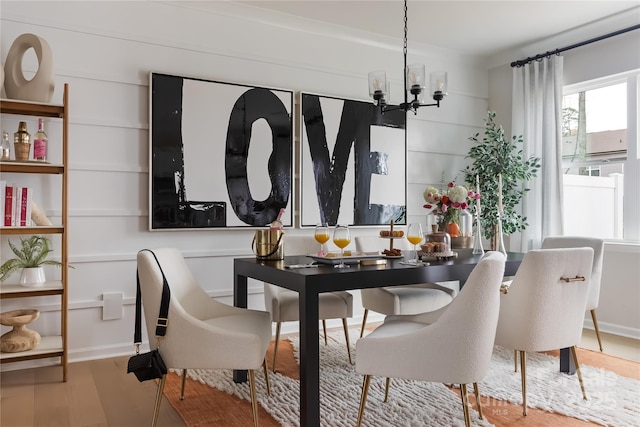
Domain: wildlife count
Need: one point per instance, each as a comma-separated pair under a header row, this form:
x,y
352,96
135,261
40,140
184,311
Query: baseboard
x,y
613,329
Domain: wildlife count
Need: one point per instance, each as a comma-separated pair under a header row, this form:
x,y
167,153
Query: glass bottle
x,y
40,143
6,148
277,223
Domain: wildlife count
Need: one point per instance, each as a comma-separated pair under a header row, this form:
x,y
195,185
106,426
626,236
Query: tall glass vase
x,y
477,237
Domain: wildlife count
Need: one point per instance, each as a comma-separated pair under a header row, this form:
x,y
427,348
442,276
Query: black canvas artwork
x,y
221,154
353,163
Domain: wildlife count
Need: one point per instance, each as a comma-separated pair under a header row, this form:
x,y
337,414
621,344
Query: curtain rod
x,y
522,62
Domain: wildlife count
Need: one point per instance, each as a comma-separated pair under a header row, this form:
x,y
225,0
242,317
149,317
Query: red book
x,y
23,207
8,206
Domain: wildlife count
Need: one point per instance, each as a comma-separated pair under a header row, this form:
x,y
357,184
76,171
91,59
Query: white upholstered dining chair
x,y
283,303
202,333
593,297
451,345
399,300
543,308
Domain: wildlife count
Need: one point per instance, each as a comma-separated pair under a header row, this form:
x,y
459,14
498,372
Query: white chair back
x,y
457,348
541,311
597,245
189,307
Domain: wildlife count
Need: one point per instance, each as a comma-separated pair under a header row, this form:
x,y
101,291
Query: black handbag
x,y
149,366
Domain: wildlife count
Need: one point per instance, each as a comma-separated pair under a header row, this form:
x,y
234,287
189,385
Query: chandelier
x,y
414,84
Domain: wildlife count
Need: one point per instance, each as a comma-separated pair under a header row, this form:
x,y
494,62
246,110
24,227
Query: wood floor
x,y
101,393
97,393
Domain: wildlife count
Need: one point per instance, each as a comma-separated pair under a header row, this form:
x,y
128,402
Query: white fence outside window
x,y
593,206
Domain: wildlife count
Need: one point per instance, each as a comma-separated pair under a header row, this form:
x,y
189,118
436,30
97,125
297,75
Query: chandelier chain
x,y
406,29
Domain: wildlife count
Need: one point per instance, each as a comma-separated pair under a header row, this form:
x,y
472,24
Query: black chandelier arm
x,y
406,106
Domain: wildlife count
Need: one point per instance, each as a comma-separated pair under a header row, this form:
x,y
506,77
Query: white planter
x,y
31,277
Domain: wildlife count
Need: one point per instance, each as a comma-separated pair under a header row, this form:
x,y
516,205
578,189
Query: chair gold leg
x,y
476,390
346,337
266,376
254,401
324,330
515,360
575,361
363,399
465,405
364,322
156,406
387,384
595,325
275,345
523,374
184,379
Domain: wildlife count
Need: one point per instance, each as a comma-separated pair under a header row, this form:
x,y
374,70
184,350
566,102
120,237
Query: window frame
x,y
631,199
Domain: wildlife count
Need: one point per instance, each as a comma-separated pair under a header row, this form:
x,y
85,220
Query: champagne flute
x,y
414,236
341,238
322,236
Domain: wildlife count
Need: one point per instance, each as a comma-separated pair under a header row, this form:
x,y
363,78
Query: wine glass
x,y
414,236
341,238
322,236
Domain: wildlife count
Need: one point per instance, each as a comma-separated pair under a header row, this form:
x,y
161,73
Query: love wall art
x,y
221,156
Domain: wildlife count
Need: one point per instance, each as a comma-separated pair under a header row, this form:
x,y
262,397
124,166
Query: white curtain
x,y
537,115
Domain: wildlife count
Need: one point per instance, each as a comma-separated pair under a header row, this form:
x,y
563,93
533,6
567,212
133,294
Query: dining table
x,y
309,282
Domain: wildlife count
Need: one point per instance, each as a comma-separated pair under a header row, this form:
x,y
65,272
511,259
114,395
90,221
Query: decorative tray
x,y
438,255
352,258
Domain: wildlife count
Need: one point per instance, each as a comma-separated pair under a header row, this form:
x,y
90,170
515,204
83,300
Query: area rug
x,y
613,399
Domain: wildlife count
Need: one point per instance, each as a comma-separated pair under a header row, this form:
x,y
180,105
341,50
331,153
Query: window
x,y
596,151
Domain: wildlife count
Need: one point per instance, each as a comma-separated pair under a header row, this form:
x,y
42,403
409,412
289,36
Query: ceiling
x,y
474,27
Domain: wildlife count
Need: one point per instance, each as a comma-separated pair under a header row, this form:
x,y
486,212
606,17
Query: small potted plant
x,y
31,256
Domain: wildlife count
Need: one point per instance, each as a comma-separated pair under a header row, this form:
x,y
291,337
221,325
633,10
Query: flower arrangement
x,y
448,205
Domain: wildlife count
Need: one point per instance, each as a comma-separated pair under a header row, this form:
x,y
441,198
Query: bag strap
x,y
163,315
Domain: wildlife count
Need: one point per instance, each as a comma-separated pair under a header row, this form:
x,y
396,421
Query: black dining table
x,y
311,282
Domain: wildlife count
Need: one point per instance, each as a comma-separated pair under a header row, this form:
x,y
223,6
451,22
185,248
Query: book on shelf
x,y
25,194
9,206
3,191
16,205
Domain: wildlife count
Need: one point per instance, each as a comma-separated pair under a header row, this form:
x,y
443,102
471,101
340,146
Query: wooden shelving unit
x,y
56,345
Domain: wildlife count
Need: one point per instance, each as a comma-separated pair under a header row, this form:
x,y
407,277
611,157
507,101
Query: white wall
x,y
105,51
620,291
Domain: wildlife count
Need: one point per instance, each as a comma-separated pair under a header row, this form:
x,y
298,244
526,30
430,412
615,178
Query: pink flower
x,y
456,205
444,208
451,184
471,194
463,205
427,206
478,196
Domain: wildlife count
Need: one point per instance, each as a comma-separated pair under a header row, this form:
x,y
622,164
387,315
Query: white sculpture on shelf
x,y
40,87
